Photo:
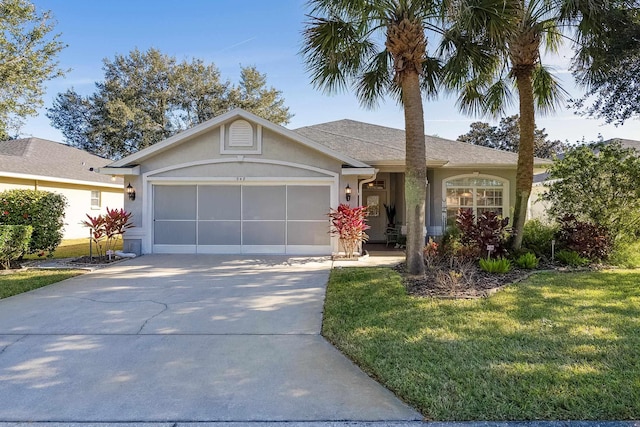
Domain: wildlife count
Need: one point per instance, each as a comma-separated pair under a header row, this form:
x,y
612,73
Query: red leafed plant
x,y
349,224
107,228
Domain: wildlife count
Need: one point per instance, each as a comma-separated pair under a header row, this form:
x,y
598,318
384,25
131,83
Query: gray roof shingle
x,y
375,144
35,156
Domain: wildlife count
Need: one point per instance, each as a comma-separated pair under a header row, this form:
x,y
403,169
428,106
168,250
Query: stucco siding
x,y
243,169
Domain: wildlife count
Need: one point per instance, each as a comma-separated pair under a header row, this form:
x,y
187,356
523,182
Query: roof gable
x,y
237,113
54,161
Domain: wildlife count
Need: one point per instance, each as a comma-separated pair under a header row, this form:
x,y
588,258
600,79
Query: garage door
x,y
278,219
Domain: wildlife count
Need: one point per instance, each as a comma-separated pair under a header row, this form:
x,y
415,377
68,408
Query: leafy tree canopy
x,y
28,52
609,63
506,136
599,184
149,96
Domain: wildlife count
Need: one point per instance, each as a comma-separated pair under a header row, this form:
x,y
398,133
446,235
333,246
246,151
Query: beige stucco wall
x,y
537,209
205,150
78,199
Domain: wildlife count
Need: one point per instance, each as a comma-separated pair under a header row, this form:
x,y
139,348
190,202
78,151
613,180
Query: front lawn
x,y
22,281
557,346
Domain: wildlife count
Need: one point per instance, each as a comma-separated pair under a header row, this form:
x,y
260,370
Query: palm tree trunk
x,y
415,186
524,173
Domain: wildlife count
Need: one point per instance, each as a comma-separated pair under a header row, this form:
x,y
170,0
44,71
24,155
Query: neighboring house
x,y
240,184
39,164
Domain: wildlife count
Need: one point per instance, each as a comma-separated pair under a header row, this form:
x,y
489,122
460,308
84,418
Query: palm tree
x,y
534,25
379,47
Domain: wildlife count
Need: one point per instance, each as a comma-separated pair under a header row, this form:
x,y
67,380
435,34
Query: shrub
x,y
626,254
490,229
107,228
588,240
42,210
495,265
537,237
431,254
14,242
527,261
571,258
349,224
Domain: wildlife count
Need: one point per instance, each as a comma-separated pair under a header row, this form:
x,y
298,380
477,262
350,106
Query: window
x,y
480,194
95,200
376,185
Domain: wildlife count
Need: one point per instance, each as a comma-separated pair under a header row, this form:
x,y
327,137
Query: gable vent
x,y
240,134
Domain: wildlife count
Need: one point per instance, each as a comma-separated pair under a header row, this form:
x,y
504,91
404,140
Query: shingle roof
x,y
35,156
375,144
626,143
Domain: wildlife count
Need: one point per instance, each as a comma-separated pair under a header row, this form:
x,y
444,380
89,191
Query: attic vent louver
x,y
240,134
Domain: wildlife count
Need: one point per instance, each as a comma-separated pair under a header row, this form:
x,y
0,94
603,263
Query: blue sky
x,y
266,34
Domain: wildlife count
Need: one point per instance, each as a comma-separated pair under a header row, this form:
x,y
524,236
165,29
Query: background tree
x,y
379,48
506,136
599,184
28,52
609,66
149,96
535,25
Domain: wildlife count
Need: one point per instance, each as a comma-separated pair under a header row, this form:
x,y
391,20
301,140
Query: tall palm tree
x,y
534,25
379,48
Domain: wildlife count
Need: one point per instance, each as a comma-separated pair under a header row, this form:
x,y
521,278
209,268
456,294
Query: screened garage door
x,y
278,219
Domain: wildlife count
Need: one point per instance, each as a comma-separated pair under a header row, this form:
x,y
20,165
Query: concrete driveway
x,y
182,338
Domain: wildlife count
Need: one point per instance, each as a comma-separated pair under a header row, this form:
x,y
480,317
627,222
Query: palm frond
x,y
376,80
471,98
431,77
335,51
547,91
499,97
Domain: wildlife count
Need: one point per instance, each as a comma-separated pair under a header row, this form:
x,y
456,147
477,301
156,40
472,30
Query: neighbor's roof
x,y
626,143
43,159
378,145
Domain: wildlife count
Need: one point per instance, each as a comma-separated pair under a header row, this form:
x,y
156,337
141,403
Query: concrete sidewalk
x,y
161,340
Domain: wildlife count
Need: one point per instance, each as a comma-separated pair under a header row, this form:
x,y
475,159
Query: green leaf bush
x,y
14,242
571,258
528,261
42,210
537,237
495,265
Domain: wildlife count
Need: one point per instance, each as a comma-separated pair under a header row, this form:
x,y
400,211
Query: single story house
x,y
241,184
39,164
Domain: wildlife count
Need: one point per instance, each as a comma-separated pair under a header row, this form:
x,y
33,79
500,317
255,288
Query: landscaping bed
x,y
556,346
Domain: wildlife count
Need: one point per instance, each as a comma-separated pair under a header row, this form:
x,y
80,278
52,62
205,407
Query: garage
x,y
249,218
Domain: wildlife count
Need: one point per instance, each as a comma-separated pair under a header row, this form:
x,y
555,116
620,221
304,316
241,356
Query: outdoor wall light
x,y
347,192
131,192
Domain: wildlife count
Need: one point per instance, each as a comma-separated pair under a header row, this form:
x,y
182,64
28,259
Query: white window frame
x,y
99,199
505,193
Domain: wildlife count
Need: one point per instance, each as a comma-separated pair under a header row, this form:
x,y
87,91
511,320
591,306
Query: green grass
x,y
22,281
558,346
72,248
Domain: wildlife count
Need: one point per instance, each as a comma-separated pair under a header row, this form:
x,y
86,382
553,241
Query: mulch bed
x,y
95,260
474,283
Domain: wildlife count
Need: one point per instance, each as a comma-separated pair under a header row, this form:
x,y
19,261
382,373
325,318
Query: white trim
x,y
174,249
357,171
505,191
134,170
234,114
236,160
60,180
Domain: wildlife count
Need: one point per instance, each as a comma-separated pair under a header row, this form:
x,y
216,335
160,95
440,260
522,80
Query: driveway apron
x,y
182,338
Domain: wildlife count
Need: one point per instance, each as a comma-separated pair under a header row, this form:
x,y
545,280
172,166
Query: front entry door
x,y
377,219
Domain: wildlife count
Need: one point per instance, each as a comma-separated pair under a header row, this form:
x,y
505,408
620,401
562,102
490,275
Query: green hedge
x,y
42,210
14,242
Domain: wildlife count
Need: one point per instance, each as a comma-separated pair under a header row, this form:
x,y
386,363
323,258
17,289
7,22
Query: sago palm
x,y
379,48
535,26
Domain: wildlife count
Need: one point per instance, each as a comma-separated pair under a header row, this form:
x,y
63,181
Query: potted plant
x,y
349,224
